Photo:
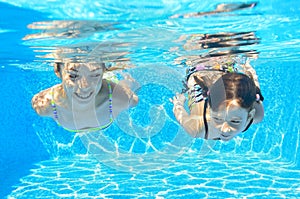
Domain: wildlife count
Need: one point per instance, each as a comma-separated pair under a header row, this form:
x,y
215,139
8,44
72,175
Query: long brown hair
x,y
233,86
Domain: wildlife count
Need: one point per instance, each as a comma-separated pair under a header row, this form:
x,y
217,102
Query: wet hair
x,y
58,66
233,86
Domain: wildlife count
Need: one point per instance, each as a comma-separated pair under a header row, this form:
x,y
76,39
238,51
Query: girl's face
x,y
228,121
82,82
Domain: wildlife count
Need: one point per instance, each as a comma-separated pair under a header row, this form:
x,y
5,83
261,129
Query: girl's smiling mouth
x,y
84,96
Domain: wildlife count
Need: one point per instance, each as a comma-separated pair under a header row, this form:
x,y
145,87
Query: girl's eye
x,y
217,119
96,75
73,76
235,121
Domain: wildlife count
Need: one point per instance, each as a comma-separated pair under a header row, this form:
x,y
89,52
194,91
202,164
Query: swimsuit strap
x,y
205,120
54,109
111,119
248,125
110,101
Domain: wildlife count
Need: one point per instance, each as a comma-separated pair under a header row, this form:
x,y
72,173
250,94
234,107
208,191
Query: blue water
x,y
40,160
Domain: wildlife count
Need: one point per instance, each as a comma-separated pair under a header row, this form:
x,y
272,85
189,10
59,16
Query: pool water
x,y
145,154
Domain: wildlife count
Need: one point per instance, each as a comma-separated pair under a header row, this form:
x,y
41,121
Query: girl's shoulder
x,y
42,101
196,123
202,118
197,108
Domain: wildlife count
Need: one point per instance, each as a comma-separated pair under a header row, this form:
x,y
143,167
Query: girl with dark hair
x,y
223,99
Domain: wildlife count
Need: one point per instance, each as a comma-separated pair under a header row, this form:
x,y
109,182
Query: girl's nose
x,y
83,83
225,127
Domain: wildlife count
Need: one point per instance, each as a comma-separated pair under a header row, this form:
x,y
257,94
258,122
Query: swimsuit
x,y
88,129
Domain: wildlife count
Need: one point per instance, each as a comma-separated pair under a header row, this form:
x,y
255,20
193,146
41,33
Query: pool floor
x,y
193,176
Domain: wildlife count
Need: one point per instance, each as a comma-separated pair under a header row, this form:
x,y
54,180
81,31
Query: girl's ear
x,y
57,69
259,112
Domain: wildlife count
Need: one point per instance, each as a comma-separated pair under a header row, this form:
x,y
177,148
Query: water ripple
x,y
230,177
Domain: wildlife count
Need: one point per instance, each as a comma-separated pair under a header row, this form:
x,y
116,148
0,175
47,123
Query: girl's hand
x,y
178,100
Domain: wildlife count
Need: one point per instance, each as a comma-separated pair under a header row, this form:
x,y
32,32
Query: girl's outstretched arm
x,y
192,124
